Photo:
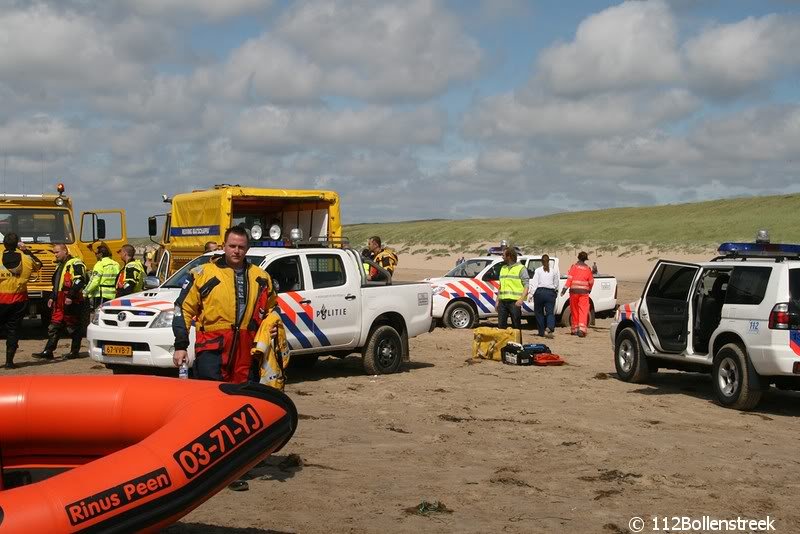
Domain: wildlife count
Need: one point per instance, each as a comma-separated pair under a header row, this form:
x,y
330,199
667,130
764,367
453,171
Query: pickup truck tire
x,y
383,353
459,315
736,383
629,361
566,316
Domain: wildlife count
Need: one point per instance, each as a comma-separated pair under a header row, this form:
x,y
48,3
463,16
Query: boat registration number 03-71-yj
x,y
117,350
218,441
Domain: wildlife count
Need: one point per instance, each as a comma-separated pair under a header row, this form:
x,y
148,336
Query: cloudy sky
x,y
409,109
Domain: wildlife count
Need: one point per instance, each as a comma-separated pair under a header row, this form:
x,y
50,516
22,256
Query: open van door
x,y
665,306
102,225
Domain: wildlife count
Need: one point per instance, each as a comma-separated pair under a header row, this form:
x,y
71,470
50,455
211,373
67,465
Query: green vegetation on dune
x,y
699,224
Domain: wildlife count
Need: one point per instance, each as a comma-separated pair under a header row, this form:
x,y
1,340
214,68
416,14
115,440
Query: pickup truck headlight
x,y
164,319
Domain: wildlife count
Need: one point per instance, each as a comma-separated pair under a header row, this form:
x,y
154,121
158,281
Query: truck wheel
x,y
383,353
459,315
629,361
566,317
735,381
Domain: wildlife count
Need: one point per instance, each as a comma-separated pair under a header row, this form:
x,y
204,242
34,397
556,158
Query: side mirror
x,y
151,282
152,226
101,229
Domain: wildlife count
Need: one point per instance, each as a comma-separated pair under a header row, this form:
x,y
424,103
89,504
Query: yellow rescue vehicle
x,y
272,217
43,220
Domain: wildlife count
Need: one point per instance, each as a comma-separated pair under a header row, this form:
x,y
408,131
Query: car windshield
x,y
37,225
177,279
469,269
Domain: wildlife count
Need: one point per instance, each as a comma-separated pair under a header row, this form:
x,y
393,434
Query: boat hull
x,y
132,453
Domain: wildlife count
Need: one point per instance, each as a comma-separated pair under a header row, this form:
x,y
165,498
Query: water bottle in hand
x,y
183,370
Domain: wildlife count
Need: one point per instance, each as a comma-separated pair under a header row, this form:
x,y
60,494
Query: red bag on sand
x,y
547,359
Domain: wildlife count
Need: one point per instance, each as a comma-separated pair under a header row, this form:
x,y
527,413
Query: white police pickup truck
x,y
327,307
469,292
736,316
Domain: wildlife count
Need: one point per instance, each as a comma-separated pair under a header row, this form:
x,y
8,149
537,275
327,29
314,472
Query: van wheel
x,y
383,353
735,381
459,315
629,361
566,317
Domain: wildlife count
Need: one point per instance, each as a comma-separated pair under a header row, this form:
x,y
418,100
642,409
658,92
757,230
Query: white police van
x,y
736,316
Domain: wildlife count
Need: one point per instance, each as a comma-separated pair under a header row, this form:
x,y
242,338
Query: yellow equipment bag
x,y
487,341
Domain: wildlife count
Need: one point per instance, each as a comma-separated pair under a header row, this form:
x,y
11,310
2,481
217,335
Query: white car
x,y
469,292
736,317
327,307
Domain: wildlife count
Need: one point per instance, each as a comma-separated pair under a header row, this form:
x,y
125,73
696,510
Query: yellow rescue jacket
x,y
386,258
208,298
16,270
273,356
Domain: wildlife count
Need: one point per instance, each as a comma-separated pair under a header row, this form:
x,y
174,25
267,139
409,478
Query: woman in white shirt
x,y
544,288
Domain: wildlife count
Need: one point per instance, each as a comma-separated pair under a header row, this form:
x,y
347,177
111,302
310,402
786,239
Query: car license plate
x,y
117,350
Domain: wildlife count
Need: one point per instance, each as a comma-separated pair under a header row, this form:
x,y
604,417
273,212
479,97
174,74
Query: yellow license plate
x,y
117,350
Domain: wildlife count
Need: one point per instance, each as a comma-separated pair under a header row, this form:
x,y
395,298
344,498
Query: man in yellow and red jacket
x,y
16,269
66,303
226,299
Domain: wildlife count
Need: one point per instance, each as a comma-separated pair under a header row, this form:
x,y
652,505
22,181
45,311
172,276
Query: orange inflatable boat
x,y
127,453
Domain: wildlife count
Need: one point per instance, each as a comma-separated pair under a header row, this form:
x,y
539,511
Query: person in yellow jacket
x,y
131,278
226,300
383,256
513,291
66,303
102,285
16,269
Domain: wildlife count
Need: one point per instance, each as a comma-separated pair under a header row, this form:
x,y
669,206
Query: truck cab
x,y
735,316
272,218
42,220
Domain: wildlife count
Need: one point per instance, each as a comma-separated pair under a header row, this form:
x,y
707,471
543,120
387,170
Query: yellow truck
x,y
272,217
44,220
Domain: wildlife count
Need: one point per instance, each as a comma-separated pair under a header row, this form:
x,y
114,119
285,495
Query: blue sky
x,y
410,109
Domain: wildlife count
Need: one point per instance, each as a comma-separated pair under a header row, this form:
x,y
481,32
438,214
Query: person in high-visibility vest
x,y
383,256
102,285
16,269
131,278
579,282
513,291
66,303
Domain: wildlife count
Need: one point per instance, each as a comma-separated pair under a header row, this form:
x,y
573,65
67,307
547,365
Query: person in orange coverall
x,y
579,282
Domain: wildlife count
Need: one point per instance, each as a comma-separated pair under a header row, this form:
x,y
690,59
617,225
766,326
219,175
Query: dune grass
x,y
687,226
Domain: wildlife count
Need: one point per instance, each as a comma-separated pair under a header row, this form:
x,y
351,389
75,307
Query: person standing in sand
x,y
579,282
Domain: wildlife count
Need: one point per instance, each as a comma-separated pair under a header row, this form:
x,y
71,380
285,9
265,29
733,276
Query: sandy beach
x,y
512,449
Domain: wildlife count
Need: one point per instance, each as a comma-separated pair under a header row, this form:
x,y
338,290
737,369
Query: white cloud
x,y
647,150
37,136
206,9
545,116
501,160
381,50
271,128
463,167
58,52
626,46
727,60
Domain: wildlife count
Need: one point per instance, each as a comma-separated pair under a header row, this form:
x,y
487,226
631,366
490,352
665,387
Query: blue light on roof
x,y
759,249
268,243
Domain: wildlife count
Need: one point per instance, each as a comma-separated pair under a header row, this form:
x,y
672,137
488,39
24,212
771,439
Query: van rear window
x,y
748,285
794,284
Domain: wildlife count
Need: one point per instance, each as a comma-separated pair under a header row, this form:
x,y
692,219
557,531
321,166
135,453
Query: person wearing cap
x,y
17,267
579,282
131,278
102,285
